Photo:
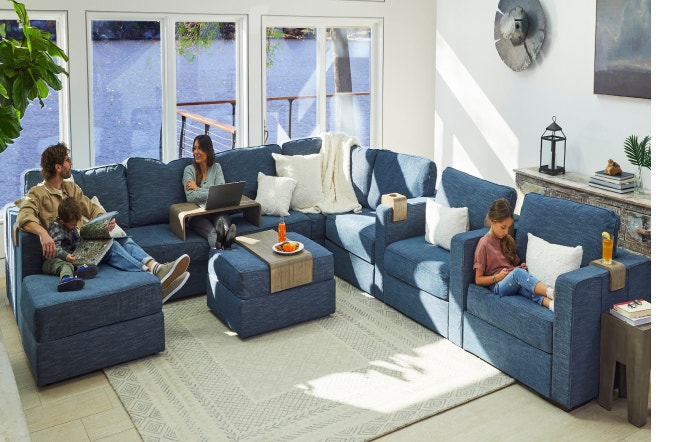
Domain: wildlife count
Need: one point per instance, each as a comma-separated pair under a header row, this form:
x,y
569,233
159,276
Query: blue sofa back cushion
x,y
303,146
30,178
567,223
409,175
361,169
109,185
243,165
153,187
459,189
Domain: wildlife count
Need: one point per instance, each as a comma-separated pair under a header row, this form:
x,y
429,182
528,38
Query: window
x,y
126,89
206,83
42,126
322,77
158,81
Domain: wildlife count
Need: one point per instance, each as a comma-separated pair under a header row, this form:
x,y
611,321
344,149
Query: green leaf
x,y
638,153
27,71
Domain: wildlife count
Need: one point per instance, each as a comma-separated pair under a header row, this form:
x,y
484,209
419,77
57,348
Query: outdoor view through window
x,y
310,88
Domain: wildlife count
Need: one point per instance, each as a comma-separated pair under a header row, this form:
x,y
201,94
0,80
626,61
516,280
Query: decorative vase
x,y
639,183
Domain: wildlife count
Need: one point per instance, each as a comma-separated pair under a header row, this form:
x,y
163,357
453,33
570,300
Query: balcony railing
x,y
224,137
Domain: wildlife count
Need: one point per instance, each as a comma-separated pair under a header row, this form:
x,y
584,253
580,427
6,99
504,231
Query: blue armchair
x,y
418,277
555,354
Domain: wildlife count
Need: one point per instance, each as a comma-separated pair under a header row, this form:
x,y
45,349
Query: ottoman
x,y
239,290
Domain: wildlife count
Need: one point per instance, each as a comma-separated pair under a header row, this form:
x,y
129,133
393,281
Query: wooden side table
x,y
623,343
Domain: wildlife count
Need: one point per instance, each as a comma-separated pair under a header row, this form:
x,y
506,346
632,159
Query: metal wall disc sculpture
x,y
519,30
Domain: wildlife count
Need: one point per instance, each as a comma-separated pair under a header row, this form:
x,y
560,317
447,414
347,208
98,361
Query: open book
x,y
95,240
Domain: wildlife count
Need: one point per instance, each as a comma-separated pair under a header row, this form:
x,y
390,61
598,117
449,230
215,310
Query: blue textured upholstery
x,y
302,146
362,161
244,165
355,232
408,175
109,185
557,355
407,262
50,315
149,192
239,291
459,189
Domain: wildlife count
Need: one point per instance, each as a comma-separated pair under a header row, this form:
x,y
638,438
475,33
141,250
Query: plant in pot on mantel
x,y
27,71
639,154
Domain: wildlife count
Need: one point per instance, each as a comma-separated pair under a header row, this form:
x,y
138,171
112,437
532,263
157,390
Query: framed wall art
x,y
623,61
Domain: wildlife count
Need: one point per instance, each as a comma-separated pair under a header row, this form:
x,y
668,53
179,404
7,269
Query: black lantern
x,y
550,157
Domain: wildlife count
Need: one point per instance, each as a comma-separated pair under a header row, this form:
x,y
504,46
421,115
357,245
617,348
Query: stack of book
x,y
635,312
624,183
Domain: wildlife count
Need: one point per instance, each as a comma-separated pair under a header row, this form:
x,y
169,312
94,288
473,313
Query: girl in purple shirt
x,y
497,264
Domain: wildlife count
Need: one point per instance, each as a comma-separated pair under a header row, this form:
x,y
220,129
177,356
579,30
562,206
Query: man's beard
x,y
65,174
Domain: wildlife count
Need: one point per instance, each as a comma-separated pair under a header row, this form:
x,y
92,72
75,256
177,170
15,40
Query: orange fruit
x,y
289,247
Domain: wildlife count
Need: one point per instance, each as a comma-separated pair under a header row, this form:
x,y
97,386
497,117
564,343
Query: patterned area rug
x,y
362,372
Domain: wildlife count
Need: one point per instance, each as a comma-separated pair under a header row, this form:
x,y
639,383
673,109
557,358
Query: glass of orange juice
x,y
607,248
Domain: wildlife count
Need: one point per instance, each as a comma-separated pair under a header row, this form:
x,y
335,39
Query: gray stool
x,y
238,291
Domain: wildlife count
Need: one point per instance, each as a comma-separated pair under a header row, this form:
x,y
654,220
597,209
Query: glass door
x,y
206,83
320,78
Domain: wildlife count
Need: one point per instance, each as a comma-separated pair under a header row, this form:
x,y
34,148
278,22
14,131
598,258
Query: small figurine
x,y
613,168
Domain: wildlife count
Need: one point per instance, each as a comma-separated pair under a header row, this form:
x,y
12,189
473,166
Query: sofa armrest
x,y
462,257
388,231
413,225
576,335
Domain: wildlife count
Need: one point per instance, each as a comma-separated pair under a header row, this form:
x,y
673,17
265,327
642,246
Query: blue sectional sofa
x,y
555,354
142,190
418,277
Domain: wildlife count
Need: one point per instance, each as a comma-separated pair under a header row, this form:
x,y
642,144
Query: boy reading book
x,y
64,232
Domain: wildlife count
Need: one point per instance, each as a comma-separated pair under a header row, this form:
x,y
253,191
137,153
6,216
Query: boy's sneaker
x,y
87,271
169,271
70,283
174,286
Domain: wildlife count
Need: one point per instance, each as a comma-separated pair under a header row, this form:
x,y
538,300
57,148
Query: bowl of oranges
x,y
288,247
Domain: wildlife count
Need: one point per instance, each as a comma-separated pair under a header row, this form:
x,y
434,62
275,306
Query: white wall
x,y
489,118
408,64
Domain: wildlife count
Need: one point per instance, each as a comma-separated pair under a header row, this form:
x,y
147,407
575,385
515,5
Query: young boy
x,y
66,238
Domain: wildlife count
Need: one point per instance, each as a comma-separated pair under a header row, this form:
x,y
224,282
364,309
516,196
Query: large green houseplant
x,y
27,71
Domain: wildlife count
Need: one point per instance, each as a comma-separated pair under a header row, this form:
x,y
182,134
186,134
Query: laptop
x,y
224,195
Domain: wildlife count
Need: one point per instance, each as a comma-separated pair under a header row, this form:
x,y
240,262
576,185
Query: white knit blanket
x,y
336,179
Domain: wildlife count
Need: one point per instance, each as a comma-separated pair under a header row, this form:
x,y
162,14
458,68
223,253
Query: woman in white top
x,y
198,177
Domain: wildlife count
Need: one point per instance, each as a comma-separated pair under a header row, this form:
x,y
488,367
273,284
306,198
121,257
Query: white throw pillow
x,y
442,222
117,231
274,194
547,261
306,171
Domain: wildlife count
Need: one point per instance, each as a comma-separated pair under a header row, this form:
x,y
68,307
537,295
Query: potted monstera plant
x,y
639,153
28,69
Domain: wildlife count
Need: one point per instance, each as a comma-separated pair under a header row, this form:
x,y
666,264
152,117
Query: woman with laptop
x,y
198,177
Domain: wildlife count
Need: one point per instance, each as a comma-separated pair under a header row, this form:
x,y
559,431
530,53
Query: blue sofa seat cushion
x,y
354,232
111,297
153,187
516,315
459,189
163,245
570,224
409,175
420,264
245,163
248,277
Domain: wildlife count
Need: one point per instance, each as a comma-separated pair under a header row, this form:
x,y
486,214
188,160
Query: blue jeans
x,y
126,255
518,282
